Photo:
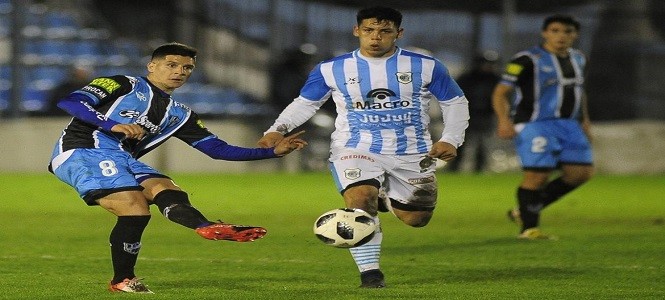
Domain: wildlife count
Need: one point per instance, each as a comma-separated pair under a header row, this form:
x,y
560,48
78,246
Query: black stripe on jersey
x,y
568,100
526,83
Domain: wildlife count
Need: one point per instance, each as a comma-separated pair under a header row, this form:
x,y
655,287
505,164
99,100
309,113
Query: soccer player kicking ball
x,y
118,119
381,141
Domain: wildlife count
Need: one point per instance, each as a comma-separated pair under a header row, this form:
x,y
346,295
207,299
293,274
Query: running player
x,y
381,146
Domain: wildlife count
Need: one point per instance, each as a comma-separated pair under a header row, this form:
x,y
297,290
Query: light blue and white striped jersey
x,y
382,103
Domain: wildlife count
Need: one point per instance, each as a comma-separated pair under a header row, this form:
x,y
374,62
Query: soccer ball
x,y
345,227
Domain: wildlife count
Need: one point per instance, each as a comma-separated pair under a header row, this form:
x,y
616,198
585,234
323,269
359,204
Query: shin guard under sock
x,y
125,242
175,206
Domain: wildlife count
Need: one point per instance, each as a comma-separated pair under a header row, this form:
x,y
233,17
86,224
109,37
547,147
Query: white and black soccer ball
x,y
345,227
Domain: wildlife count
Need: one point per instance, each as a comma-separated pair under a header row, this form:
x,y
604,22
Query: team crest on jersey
x,y
352,173
404,77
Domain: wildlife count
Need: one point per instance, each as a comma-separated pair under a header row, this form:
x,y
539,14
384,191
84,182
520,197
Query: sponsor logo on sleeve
x,y
107,84
99,93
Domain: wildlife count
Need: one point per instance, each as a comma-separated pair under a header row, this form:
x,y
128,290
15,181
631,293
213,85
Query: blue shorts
x,y
96,173
548,144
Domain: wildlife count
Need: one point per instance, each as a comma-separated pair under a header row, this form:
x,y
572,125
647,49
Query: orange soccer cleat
x,y
231,232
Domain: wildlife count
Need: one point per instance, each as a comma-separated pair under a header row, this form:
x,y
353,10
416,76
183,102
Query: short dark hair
x,y
381,13
563,19
174,49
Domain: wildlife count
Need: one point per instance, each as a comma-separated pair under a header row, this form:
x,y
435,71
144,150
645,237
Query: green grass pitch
x,y
611,243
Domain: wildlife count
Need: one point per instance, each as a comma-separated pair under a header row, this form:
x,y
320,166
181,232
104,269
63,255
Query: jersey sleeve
x,y
82,103
104,89
443,86
194,133
315,88
516,69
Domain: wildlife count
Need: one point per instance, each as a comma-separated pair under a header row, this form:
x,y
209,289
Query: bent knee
x,y
415,219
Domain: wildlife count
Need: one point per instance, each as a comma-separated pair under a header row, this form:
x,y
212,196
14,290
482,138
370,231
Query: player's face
x,y
170,72
559,37
377,39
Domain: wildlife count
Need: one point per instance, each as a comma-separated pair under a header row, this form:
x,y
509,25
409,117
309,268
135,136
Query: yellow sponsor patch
x,y
200,123
514,69
107,84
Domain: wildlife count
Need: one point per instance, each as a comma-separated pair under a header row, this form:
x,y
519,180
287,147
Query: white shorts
x,y
409,180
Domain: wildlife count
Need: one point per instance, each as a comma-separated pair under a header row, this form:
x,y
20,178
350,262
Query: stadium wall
x,y
634,147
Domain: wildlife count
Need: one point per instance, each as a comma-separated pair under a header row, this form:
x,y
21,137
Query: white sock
x,y
367,255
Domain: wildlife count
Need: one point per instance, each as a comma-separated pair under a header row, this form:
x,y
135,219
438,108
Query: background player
x,y
550,125
381,141
118,119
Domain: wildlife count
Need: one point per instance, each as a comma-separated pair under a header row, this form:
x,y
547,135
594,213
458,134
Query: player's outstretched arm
x,y
270,139
290,144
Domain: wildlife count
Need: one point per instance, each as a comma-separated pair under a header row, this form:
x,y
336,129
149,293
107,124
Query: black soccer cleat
x,y
372,279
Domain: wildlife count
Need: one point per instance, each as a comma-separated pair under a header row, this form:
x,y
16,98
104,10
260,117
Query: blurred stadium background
x,y
241,42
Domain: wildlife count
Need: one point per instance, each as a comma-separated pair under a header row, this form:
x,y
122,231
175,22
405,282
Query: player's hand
x,y
289,144
130,131
443,151
270,139
506,130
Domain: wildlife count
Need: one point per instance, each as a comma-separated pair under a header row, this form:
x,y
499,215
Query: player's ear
x,y
151,66
356,30
400,32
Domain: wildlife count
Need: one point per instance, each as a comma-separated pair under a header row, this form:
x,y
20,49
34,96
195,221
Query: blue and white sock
x,y
367,255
